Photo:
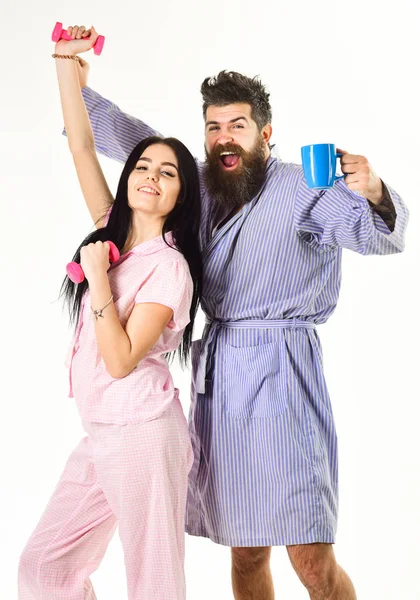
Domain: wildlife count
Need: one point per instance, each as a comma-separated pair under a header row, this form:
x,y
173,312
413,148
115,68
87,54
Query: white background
x,y
341,72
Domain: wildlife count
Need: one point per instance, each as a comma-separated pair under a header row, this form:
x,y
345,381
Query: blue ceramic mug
x,y
319,163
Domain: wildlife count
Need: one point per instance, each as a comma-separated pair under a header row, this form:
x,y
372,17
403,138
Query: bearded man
x,y
261,423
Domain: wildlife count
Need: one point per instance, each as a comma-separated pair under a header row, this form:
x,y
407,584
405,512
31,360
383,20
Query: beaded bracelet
x,y
71,56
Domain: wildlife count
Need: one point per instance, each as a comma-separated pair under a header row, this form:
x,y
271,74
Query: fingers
x,y
357,181
348,159
77,33
359,175
96,248
351,179
100,246
72,31
355,163
361,167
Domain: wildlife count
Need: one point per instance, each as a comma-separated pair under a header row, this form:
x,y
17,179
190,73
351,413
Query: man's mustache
x,y
220,148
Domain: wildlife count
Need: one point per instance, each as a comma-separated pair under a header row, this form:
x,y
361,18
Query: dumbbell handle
x,y
75,271
61,34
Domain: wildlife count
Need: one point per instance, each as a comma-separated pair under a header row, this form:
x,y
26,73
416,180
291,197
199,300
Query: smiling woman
x,y
156,174
144,306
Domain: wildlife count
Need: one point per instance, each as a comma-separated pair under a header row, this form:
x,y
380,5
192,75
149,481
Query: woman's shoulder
x,y
171,255
168,262
174,261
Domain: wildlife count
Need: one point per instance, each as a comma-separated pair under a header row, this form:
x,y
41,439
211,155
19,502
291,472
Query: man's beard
x,y
232,189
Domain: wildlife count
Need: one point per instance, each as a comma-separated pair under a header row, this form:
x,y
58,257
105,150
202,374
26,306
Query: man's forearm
x,y
115,132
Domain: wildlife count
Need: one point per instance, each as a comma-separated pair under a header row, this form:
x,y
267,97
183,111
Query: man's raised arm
x,y
115,132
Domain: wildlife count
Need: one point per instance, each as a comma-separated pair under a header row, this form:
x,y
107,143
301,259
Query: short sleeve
x,y
170,284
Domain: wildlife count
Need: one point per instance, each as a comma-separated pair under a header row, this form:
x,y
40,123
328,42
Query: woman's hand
x,y
83,40
94,260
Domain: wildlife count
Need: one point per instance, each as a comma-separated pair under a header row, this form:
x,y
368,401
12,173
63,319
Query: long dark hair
x,y
183,221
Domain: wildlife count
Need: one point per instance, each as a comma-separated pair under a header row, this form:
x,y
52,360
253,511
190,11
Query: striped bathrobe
x,y
261,422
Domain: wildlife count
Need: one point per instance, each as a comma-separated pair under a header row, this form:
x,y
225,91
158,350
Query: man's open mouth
x,y
229,159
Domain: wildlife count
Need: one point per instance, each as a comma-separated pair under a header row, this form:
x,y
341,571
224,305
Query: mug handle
x,y
338,154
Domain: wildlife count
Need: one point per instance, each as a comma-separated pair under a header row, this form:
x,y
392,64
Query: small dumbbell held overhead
x,y
75,271
61,34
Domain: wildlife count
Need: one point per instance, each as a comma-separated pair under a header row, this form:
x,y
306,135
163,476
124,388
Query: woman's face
x,y
154,185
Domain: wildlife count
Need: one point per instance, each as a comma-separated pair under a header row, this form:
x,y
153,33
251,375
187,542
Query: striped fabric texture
x,y
261,422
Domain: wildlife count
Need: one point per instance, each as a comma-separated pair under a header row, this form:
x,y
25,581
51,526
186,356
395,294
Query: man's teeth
x,y
226,153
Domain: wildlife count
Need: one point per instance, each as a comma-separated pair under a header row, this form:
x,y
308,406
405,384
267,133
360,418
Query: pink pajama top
x,y
150,272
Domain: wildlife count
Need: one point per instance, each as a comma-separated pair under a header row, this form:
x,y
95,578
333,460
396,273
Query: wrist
x,y
98,281
376,198
62,47
97,312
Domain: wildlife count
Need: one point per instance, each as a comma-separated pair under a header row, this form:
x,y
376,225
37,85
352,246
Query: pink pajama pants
x,y
133,476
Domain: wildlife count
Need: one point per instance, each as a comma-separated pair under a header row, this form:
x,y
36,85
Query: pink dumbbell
x,y
75,271
61,34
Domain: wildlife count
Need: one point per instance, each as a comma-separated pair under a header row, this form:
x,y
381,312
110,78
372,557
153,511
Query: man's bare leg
x,y
319,572
251,576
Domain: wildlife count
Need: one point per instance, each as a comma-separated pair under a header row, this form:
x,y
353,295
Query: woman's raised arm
x,y
79,131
